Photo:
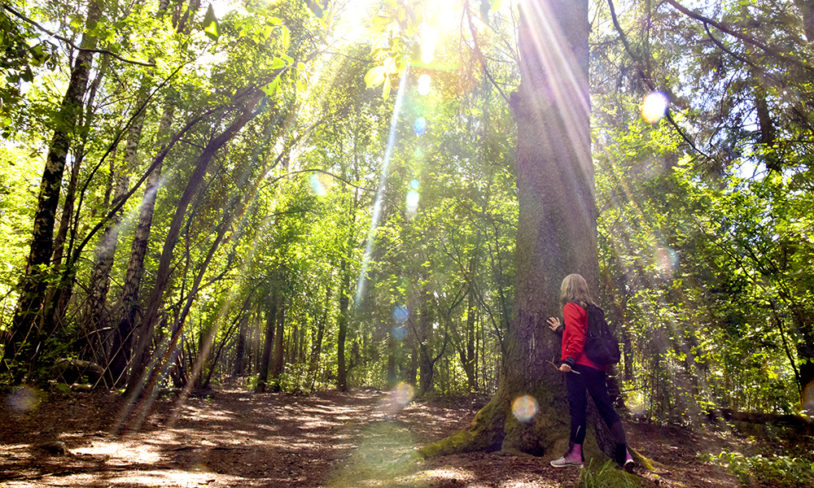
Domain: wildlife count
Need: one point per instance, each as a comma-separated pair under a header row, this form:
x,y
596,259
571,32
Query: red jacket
x,y
573,336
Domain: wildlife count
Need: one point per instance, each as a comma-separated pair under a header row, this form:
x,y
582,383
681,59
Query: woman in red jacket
x,y
583,374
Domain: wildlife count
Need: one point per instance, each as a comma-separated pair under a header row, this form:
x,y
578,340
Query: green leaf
x,y
210,24
27,75
271,88
285,38
374,77
278,63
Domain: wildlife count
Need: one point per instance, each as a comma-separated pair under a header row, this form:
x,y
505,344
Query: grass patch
x,y
606,475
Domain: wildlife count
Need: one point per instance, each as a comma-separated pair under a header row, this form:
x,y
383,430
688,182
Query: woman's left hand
x,y
565,368
553,323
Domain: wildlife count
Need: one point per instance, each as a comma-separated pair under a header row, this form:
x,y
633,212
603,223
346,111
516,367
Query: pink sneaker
x,y
566,461
571,458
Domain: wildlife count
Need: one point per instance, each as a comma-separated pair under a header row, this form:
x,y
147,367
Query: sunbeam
x,y
377,204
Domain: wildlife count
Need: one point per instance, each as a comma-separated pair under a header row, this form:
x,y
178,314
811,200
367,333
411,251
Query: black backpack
x,y
601,345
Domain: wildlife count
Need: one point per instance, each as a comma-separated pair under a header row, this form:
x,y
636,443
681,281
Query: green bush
x,y
775,471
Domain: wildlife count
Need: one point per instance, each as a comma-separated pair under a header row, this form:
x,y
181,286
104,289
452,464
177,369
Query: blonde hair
x,y
574,288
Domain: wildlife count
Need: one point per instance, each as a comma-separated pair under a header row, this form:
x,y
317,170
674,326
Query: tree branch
x,y
739,35
648,81
479,54
70,43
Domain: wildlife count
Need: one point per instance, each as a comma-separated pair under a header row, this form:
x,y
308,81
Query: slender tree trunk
x,y
344,301
467,353
106,250
240,348
392,351
121,345
278,354
271,321
59,295
33,285
316,348
152,311
426,365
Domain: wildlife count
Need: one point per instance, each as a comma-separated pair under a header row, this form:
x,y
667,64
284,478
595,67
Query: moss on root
x,y
484,434
496,428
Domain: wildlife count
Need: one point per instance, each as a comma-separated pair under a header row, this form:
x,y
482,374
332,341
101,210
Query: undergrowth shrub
x,y
774,471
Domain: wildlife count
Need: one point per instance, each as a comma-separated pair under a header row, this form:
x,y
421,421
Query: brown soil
x,y
240,439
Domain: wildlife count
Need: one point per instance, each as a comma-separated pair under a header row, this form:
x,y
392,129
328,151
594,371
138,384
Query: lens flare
x,y
654,106
23,399
403,393
316,185
429,39
524,408
418,154
412,200
399,332
424,84
420,126
401,314
666,260
414,185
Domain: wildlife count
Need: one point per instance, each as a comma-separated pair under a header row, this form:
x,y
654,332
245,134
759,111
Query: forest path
x,y
240,439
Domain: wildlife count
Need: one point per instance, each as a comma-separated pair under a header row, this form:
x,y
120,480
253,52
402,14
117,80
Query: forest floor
x,y
233,438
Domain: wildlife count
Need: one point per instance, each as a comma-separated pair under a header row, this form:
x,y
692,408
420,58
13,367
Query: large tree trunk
x,y
807,12
24,328
556,227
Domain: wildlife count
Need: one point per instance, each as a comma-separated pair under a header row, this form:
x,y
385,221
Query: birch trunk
x,y
25,335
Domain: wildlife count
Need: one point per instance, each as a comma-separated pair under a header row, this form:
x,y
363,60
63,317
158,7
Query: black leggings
x,y
592,380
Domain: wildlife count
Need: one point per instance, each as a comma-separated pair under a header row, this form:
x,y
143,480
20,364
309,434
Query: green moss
x,y
484,434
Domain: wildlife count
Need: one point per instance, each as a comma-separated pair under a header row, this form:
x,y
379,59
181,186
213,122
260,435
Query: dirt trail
x,y
241,439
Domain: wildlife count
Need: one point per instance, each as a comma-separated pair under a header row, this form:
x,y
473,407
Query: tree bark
x,y
556,227
807,12
32,287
